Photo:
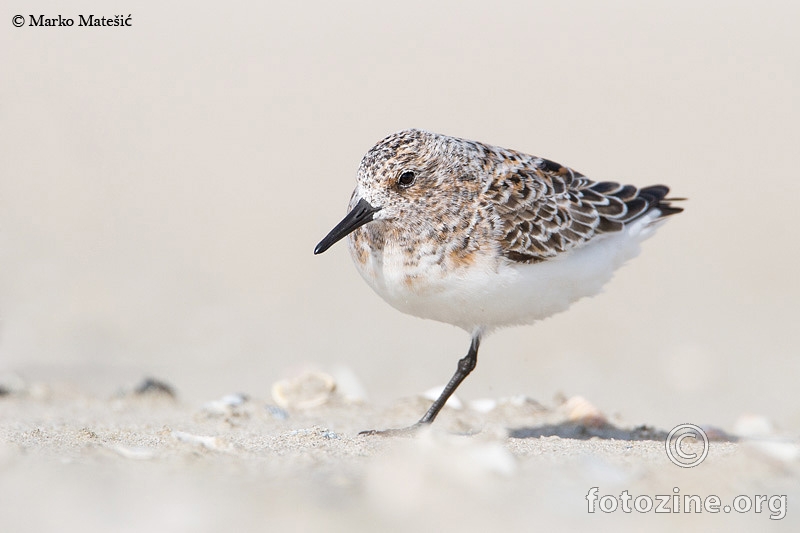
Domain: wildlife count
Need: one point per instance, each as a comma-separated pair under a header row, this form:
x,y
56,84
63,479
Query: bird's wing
x,y
544,208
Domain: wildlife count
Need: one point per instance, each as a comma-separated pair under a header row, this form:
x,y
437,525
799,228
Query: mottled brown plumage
x,y
484,237
546,208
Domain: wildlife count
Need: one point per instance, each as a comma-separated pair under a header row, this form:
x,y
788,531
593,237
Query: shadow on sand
x,y
580,431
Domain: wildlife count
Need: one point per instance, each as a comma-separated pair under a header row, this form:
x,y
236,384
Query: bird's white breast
x,y
491,291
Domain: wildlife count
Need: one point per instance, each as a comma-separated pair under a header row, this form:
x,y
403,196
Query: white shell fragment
x,y
753,426
579,409
207,442
781,450
758,433
136,453
230,404
311,389
348,386
483,405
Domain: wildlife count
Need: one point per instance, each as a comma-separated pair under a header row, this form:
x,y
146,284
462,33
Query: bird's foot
x,y
401,432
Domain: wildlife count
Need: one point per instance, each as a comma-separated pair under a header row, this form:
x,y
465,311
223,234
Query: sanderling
x,y
482,237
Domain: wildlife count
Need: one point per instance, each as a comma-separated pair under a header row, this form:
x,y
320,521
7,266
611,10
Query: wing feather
x,y
544,208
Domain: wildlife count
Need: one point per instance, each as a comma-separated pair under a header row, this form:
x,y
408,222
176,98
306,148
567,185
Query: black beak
x,y
357,217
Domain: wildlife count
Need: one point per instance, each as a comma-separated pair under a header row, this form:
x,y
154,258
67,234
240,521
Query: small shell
x,y
202,441
578,409
312,389
753,426
228,405
483,405
137,453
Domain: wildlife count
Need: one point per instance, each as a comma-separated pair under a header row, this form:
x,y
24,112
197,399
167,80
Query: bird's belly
x,y
491,293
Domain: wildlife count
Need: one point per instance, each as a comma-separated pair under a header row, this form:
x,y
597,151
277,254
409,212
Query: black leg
x,y
465,365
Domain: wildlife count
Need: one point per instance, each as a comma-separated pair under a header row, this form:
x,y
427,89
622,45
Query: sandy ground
x,y
142,460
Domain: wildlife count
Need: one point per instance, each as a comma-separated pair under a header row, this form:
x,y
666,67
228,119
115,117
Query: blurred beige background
x,y
162,188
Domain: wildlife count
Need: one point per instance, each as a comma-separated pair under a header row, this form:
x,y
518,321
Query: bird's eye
x,y
406,179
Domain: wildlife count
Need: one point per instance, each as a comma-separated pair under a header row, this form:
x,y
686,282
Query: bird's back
x,y
544,209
